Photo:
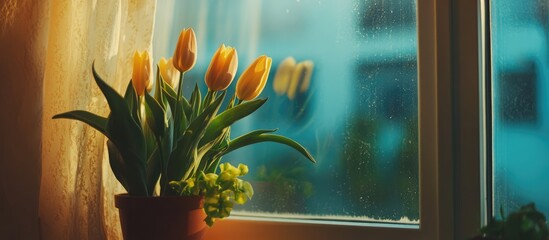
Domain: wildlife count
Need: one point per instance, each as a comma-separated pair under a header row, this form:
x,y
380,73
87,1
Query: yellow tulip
x,y
141,72
306,81
168,72
253,80
283,75
184,56
222,68
301,77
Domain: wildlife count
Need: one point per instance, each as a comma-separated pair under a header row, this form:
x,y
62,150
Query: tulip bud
x,y
283,75
168,72
184,56
141,72
253,80
222,68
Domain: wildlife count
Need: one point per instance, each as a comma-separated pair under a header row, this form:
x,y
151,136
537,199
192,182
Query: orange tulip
x,y
184,56
141,75
253,80
168,72
222,68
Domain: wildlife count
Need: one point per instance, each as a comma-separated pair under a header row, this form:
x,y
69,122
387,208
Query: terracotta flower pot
x,y
161,217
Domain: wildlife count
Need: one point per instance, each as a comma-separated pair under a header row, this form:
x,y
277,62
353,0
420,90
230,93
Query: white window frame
x,y
449,137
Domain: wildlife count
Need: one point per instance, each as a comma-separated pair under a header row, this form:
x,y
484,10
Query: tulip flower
x,y
222,68
141,72
253,80
168,72
185,54
306,81
301,78
283,75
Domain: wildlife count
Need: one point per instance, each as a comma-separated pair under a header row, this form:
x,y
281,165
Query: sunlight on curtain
x,y
77,188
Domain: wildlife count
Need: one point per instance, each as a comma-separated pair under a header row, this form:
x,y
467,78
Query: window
x,y
369,114
520,110
358,114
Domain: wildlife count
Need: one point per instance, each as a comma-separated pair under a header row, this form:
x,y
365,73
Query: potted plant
x,y
525,224
163,138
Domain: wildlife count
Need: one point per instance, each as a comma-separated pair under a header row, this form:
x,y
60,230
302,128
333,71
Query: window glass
x,y
520,107
352,101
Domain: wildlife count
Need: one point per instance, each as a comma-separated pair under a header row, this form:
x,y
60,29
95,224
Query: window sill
x,y
244,228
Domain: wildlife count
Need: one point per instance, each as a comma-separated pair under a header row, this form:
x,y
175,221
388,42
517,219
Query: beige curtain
x,y
77,186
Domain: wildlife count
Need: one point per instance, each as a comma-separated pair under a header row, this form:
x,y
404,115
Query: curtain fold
x,y
23,35
77,186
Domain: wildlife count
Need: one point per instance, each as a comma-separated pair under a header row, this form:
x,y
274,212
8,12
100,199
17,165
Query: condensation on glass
x,y
356,109
520,107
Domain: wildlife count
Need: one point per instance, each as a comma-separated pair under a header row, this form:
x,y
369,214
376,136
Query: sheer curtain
x,y
215,22
77,186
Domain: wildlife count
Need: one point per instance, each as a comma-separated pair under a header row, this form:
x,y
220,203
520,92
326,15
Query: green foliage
x,y
220,192
526,224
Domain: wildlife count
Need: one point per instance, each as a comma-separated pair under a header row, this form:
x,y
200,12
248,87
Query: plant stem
x,y
163,168
207,99
178,106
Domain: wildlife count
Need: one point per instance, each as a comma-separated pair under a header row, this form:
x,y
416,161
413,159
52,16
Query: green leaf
x,y
198,126
210,96
150,141
127,170
117,164
116,102
228,117
126,134
136,176
95,121
156,117
182,117
171,100
169,90
196,102
231,102
159,94
183,157
248,190
159,160
213,156
253,138
167,147
132,102
153,169
158,90
186,107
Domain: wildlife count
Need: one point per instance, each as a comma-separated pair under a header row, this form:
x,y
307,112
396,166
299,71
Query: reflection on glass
x,y
343,83
520,103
